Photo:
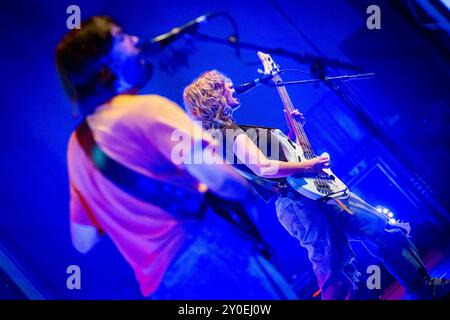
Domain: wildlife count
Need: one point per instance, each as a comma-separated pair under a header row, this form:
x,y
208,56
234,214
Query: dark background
x,y
391,148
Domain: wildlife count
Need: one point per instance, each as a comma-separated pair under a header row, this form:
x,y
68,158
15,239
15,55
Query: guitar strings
x,y
308,153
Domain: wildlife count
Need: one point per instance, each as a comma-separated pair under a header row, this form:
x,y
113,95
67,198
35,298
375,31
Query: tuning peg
x,y
260,71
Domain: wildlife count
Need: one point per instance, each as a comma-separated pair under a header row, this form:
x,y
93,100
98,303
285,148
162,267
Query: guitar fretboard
x,y
298,129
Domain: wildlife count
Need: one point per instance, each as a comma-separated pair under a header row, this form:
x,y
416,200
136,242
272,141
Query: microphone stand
x,y
301,58
342,77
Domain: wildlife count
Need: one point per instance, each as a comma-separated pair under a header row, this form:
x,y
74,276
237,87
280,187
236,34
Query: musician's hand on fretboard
x,y
297,116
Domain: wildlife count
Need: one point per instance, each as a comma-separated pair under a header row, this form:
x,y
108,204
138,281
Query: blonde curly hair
x,y
205,102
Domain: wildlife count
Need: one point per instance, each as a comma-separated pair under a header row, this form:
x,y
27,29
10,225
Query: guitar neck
x,y
298,128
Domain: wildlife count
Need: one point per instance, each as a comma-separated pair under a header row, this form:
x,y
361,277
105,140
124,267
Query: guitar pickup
x,y
327,176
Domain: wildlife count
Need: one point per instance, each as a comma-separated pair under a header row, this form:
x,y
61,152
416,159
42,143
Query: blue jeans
x,y
325,230
219,262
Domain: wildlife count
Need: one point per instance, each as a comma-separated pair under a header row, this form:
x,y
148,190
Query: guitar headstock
x,y
270,67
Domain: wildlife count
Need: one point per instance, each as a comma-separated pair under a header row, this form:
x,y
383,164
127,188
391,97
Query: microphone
x,y
247,86
161,41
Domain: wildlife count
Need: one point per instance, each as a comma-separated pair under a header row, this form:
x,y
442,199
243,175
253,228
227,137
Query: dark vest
x,y
269,145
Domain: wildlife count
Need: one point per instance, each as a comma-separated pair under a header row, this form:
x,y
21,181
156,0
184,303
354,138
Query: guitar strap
x,y
342,205
176,200
171,198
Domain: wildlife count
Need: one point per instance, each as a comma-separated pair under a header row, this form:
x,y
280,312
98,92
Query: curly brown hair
x,y
205,102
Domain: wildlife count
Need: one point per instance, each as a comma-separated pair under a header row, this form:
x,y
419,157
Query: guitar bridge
x,y
323,187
